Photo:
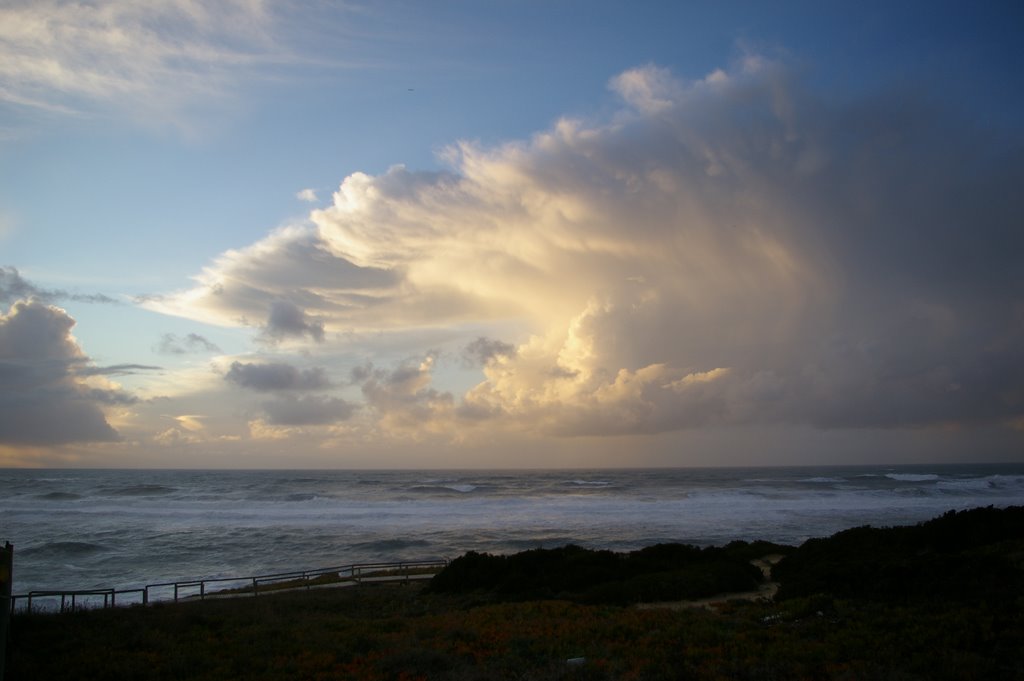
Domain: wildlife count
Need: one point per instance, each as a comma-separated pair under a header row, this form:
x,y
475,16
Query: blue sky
x,y
509,233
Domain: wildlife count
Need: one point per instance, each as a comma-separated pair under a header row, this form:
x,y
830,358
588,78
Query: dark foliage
x,y
753,550
392,632
964,556
385,632
660,572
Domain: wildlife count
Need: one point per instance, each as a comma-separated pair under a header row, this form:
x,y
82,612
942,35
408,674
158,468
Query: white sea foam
x,y
171,525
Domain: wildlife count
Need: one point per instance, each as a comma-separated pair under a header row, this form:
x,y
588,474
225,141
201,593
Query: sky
x,y
513,233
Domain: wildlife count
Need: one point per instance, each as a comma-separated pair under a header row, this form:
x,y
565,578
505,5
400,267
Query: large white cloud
x,y
729,250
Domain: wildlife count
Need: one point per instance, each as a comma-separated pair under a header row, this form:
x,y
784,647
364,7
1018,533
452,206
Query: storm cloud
x,y
43,399
738,249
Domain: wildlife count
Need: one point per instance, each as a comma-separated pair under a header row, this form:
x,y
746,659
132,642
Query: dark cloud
x,y
310,410
276,376
115,370
41,400
561,372
172,344
360,373
288,320
403,397
484,350
13,287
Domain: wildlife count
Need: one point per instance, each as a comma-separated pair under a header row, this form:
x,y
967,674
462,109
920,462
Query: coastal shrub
x,y
659,572
753,550
471,571
961,555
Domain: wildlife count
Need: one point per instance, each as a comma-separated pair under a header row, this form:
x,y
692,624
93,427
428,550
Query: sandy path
x,y
765,592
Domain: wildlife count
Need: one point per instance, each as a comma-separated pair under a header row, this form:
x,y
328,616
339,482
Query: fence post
x,y
6,577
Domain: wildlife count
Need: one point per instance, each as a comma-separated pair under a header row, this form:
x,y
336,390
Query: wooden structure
x,y
6,602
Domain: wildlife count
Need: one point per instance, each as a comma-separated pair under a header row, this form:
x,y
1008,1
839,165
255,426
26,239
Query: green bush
x,y
962,556
660,572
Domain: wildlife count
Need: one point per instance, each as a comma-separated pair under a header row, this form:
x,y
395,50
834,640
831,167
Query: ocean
x,y
91,529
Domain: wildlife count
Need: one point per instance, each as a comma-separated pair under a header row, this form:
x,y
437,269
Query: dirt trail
x,y
765,592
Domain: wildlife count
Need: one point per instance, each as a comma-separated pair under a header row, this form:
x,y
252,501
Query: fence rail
x,y
230,587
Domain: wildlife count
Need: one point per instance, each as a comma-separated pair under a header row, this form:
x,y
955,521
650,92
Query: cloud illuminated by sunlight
x,y
730,250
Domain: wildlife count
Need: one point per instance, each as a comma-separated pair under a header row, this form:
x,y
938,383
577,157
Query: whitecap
x,y
462,488
912,477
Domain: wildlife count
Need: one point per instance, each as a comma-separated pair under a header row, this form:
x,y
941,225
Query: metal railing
x,y
230,587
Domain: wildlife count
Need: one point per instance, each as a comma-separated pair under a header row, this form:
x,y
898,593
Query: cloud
x,y
13,287
309,410
42,399
288,320
115,370
193,423
171,344
155,59
483,350
188,430
275,376
737,249
403,398
308,195
271,284
175,437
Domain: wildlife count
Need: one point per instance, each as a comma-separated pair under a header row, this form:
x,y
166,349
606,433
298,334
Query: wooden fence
x,y
226,587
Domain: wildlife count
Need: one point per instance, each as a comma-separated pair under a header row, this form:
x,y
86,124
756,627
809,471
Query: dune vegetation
x,y
939,600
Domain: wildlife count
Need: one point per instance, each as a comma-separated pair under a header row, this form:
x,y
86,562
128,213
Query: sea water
x,y
90,529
